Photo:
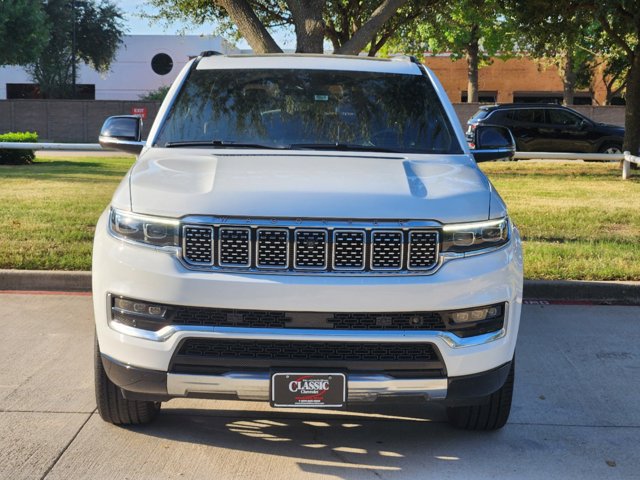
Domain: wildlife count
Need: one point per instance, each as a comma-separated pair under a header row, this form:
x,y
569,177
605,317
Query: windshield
x,y
309,109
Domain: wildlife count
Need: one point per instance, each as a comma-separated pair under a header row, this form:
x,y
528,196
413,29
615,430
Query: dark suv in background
x,y
550,128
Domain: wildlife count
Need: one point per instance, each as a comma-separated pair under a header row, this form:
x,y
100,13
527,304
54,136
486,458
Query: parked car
x,y
309,231
550,128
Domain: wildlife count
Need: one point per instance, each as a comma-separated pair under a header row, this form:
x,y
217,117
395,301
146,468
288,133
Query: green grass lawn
x,y
579,220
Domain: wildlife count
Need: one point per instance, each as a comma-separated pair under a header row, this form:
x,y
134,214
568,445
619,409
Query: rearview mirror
x,y
123,133
493,142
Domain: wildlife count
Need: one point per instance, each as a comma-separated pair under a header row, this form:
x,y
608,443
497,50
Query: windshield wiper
x,y
343,147
222,144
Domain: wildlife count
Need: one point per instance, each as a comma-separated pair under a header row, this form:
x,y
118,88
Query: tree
x,y
470,29
23,31
560,38
619,23
97,29
350,25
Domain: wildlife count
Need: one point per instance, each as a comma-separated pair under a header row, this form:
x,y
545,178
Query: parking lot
x,y
576,413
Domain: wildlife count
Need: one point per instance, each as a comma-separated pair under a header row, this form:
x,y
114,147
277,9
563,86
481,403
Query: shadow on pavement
x,y
371,442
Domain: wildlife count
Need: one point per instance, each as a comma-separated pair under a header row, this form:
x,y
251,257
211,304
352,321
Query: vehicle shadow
x,y
377,441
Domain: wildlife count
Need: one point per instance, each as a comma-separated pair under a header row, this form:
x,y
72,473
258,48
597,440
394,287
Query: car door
x,y
525,124
568,131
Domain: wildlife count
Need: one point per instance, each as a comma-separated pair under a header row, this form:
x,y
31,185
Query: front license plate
x,y
315,390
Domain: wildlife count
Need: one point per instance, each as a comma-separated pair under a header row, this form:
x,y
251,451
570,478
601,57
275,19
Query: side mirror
x,y
123,133
493,142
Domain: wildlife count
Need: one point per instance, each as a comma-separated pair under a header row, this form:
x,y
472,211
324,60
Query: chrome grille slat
x,y
387,247
272,248
198,244
234,246
298,247
310,249
423,250
349,249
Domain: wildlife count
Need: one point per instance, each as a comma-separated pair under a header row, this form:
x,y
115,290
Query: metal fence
x,y
626,158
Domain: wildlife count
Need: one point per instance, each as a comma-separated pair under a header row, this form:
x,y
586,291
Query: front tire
x,y
112,406
488,416
611,147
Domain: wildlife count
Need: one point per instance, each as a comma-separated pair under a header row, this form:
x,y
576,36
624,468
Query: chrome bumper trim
x,y
310,335
255,386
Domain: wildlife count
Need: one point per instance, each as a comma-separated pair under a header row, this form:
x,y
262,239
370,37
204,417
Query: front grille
x,y
317,351
310,249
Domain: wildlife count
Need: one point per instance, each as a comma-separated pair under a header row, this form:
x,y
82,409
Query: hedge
x,y
17,157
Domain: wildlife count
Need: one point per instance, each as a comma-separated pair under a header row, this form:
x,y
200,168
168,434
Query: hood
x,y
610,127
178,182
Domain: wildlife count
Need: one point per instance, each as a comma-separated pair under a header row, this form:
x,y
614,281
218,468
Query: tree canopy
x,y
23,31
98,33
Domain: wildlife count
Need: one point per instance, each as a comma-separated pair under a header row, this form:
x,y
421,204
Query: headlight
x,y
145,229
468,237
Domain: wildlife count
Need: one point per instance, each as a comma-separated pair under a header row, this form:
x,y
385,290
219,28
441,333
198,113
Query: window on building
x,y
580,98
32,91
162,64
483,97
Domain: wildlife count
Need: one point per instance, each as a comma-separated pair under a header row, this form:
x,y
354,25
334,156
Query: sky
x,y
141,26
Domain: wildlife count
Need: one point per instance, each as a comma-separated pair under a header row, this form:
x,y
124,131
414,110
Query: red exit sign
x,y
140,111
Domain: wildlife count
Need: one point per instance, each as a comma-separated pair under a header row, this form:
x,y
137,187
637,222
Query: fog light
x,y
142,308
139,314
475,315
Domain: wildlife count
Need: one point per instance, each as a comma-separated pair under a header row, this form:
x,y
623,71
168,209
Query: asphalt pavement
x,y
576,413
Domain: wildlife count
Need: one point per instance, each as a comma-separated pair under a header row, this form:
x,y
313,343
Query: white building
x,y
143,63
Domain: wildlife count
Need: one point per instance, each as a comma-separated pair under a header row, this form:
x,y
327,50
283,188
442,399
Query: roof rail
x,y
209,53
404,58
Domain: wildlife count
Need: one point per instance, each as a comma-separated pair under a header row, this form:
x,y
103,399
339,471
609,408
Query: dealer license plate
x,y
315,390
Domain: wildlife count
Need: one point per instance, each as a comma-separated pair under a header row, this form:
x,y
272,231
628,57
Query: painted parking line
x,y
44,292
541,301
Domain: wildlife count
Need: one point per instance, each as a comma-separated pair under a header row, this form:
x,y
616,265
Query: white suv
x,y
310,231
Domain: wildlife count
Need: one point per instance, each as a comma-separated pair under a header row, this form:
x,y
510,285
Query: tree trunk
x,y
249,26
364,34
568,79
472,67
309,24
632,111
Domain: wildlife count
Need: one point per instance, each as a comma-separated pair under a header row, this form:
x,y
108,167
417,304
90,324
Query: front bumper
x,y
155,276
254,386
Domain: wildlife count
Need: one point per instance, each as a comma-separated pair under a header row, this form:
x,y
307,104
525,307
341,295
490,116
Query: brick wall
x,y
68,121
79,121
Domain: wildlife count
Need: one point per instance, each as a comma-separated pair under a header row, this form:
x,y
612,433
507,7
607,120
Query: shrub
x,y
155,95
17,157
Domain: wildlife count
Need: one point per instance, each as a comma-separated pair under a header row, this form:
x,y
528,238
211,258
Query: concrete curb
x,y
45,280
570,290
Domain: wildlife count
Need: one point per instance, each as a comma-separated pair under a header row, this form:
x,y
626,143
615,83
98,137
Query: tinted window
x,y
480,114
562,117
280,108
534,115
